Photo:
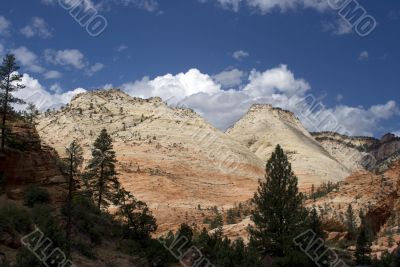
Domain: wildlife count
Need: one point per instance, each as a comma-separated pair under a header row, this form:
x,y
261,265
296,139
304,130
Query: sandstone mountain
x,y
263,127
169,157
350,151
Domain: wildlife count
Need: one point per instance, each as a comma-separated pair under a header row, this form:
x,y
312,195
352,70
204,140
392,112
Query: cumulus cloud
x,y
37,27
95,68
52,74
37,94
277,86
67,57
4,26
240,54
173,87
338,27
28,59
229,78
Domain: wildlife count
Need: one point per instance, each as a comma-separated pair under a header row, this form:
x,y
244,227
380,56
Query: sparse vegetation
x,y
36,195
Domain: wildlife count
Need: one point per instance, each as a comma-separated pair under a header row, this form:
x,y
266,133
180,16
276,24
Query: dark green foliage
x,y
217,221
230,217
279,215
90,221
32,113
15,218
73,163
350,222
137,220
36,195
323,190
100,177
9,83
363,244
315,223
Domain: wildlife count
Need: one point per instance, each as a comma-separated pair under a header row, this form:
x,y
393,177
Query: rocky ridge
x,y
169,157
263,127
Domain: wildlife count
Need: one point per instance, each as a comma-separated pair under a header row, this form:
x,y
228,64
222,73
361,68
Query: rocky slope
x,y
169,157
263,127
350,151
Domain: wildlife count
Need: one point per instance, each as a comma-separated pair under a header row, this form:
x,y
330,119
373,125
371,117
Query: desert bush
x,y
18,219
36,195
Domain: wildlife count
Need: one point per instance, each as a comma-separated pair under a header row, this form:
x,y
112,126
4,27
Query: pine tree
x,y
279,215
350,222
315,223
32,113
137,219
9,82
363,248
74,162
101,176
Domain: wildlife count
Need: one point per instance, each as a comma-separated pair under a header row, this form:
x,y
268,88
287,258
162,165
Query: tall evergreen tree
x,y
315,223
137,218
363,244
32,113
351,222
279,215
101,176
74,161
9,82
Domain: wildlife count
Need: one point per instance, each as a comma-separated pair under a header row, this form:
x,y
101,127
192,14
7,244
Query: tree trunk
x,y
69,206
101,185
3,125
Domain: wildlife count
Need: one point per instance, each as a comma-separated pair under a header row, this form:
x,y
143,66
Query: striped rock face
x,y
169,157
263,127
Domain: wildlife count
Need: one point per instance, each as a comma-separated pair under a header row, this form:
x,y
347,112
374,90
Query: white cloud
x,y
277,86
275,81
28,59
52,74
364,56
266,6
240,54
338,27
397,133
173,87
357,120
37,94
104,5
229,78
4,26
68,57
38,27
1,49
95,68
56,88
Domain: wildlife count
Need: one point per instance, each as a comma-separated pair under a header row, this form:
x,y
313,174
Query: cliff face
x,y
358,152
26,161
263,127
169,157
350,151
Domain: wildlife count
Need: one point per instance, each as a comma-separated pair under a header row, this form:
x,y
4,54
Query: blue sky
x,y
216,56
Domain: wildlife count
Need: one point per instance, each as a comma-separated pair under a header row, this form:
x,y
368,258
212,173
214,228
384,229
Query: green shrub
x,y
36,195
49,225
17,219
